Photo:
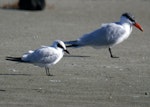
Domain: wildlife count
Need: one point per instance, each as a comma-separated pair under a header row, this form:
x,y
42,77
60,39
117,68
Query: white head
x,y
129,18
60,44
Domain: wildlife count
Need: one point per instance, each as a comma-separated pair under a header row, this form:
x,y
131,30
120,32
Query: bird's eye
x,y
131,19
59,45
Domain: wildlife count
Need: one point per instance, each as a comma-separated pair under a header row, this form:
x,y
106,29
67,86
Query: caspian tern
x,y
109,35
44,56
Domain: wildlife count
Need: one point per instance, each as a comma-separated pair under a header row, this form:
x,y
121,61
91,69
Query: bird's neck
x,y
127,25
59,49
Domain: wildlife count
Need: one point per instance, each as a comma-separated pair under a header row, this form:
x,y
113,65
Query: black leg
x,y
47,71
111,55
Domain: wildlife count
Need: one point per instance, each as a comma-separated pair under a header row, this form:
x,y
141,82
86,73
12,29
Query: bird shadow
x,y
81,56
15,74
2,90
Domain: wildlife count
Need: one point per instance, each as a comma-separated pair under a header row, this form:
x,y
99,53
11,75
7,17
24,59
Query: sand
x,y
87,78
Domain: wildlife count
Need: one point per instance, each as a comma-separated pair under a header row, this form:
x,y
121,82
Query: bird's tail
x,y
16,59
23,59
72,44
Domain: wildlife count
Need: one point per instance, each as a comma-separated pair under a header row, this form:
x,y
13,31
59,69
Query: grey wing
x,y
106,35
45,55
114,32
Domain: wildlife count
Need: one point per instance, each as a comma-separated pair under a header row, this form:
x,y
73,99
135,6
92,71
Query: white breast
x,y
128,29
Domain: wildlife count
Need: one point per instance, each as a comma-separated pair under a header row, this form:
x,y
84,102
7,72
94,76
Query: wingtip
x,y
16,59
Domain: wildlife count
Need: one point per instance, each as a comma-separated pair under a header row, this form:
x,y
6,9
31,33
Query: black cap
x,y
129,16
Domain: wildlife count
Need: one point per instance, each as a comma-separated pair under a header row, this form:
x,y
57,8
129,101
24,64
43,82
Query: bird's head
x,y
128,17
60,44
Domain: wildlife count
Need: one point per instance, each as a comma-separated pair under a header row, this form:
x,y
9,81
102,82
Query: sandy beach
x,y
86,78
